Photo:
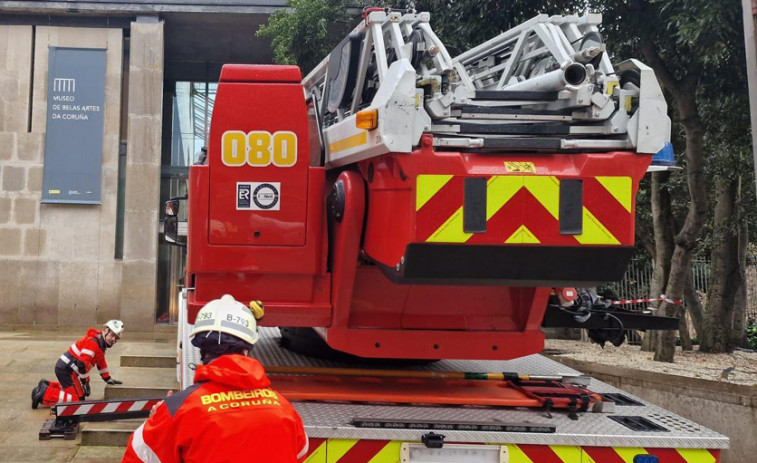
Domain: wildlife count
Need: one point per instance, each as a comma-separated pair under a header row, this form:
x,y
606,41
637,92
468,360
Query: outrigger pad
x,y
53,428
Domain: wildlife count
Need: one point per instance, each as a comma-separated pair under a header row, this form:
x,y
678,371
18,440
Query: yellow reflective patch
x,y
619,188
349,142
627,453
451,230
523,235
567,454
336,448
611,86
516,455
546,190
389,454
499,190
520,167
318,455
594,231
629,103
696,455
426,186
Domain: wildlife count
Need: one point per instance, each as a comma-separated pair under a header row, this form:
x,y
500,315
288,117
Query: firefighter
x,y
230,413
72,368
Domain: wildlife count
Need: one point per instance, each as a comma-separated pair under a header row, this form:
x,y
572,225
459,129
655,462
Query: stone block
x,y
144,142
108,291
26,292
146,48
34,242
79,37
108,227
7,143
10,242
14,178
25,210
138,288
46,297
87,233
4,45
141,235
145,92
10,271
77,296
56,220
115,51
110,150
34,178
31,147
5,209
19,50
142,187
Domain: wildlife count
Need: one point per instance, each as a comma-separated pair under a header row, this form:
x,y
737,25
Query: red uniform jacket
x,y
86,352
230,414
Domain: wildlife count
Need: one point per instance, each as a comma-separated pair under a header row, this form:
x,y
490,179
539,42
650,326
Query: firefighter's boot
x,y
39,392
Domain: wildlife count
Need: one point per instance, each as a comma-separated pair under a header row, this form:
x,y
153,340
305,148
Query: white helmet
x,y
226,315
115,326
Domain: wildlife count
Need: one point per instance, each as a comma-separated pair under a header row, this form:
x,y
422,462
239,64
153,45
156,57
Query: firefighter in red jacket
x,y
72,368
230,414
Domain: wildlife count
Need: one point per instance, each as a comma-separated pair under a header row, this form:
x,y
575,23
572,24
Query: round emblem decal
x,y
265,196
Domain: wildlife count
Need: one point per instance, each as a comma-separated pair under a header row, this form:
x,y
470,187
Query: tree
x,y
688,43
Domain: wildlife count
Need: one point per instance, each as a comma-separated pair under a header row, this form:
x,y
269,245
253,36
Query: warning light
x,y
367,120
646,458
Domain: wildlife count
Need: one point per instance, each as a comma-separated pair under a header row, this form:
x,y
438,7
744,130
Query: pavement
x,y
31,356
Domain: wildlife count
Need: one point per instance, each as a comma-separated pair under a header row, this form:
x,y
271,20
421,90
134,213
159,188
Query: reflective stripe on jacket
x,y
230,414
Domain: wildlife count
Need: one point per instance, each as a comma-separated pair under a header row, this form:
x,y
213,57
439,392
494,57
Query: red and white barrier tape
x,y
662,298
78,409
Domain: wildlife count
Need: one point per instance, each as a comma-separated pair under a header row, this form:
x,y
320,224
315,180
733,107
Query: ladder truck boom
x,y
405,203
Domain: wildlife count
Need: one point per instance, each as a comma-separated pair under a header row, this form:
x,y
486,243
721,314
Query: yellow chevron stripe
x,y
585,458
426,186
546,190
336,448
568,454
389,454
451,230
517,455
627,453
318,455
696,455
499,190
594,231
522,236
620,188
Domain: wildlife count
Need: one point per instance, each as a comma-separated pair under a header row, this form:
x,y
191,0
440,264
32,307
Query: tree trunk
x,y
683,329
662,220
725,275
693,305
739,308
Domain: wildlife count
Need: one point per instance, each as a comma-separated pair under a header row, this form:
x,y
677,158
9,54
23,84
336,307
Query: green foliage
x,y
751,332
306,33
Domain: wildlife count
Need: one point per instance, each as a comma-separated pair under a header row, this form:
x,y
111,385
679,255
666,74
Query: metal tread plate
x,y
334,420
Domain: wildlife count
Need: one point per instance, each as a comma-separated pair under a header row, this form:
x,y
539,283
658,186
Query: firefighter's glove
x,y
87,390
112,381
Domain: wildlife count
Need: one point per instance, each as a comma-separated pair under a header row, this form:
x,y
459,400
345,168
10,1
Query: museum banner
x,y
74,134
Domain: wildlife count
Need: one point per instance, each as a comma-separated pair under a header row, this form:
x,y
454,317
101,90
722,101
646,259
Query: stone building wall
x,y
57,261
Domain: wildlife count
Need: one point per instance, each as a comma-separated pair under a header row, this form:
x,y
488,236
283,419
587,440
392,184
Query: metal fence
x,y
638,277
